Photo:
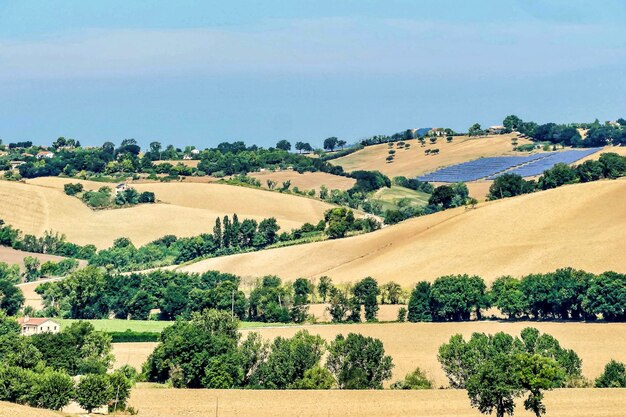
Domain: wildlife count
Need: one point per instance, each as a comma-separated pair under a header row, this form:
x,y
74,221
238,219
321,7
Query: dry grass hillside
x,y
167,402
305,181
184,210
582,226
413,162
12,256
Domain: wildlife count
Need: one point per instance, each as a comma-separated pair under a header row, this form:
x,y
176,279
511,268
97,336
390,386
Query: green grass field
x,y
390,197
151,326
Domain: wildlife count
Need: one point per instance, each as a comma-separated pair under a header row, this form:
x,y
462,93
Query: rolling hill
x,y
185,209
582,226
413,162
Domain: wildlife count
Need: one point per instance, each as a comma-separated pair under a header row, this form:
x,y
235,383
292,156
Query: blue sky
x,y
202,72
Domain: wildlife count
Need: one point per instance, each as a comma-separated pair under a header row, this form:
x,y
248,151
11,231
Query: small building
x,y
35,325
496,130
16,164
122,186
187,157
195,152
27,155
44,154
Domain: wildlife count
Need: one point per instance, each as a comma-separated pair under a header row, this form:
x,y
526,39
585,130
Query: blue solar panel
x,y
490,168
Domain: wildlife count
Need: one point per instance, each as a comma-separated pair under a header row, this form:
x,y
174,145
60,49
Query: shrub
x,y
414,380
614,376
73,189
133,336
402,312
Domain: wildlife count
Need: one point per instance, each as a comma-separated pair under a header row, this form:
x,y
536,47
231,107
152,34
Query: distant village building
x,y
195,151
187,157
16,164
44,154
27,155
436,131
32,325
496,130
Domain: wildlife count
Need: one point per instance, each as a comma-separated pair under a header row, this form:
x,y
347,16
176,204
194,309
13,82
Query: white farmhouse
x,y
32,325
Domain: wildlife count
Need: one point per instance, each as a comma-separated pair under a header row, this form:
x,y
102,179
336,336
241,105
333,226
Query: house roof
x,y
33,321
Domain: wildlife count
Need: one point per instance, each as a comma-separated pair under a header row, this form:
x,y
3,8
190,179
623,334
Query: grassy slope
x,y
582,226
389,197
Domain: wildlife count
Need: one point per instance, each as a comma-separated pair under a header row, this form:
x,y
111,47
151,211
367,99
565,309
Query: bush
x,y
73,189
414,380
15,384
614,376
52,389
402,312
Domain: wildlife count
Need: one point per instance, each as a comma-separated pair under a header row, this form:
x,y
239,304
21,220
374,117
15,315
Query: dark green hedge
x,y
131,336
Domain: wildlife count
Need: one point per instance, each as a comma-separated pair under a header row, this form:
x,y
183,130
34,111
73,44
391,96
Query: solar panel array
x,y
490,168
537,167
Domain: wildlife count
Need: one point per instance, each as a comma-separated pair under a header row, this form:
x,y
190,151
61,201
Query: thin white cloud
x,y
318,46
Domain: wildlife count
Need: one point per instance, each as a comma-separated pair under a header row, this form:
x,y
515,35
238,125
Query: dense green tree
x,y
606,296
339,305
330,143
365,293
509,185
339,221
283,145
512,123
358,362
475,130
270,301
589,171
613,165
614,376
508,297
324,286
288,361
559,174
187,348
493,387
51,389
456,297
419,303
93,391
11,297
442,195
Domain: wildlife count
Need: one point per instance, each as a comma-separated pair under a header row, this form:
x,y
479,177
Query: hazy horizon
x,y
205,72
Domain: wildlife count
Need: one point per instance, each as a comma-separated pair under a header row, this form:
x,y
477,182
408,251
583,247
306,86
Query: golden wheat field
x,y
305,181
185,209
413,161
416,344
153,402
582,226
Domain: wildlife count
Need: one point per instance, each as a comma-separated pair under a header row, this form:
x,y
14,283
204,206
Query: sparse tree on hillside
x,y
284,145
330,143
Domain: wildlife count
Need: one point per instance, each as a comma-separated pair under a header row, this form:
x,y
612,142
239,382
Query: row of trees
x,y
567,134
37,370
207,352
566,294
610,165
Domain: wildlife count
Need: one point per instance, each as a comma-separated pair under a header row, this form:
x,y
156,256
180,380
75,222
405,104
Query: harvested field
x,y
306,181
12,256
185,209
582,226
477,189
167,402
416,344
15,410
31,298
413,162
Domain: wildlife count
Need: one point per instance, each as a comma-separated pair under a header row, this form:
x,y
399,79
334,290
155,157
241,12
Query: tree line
x,y
610,166
565,294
